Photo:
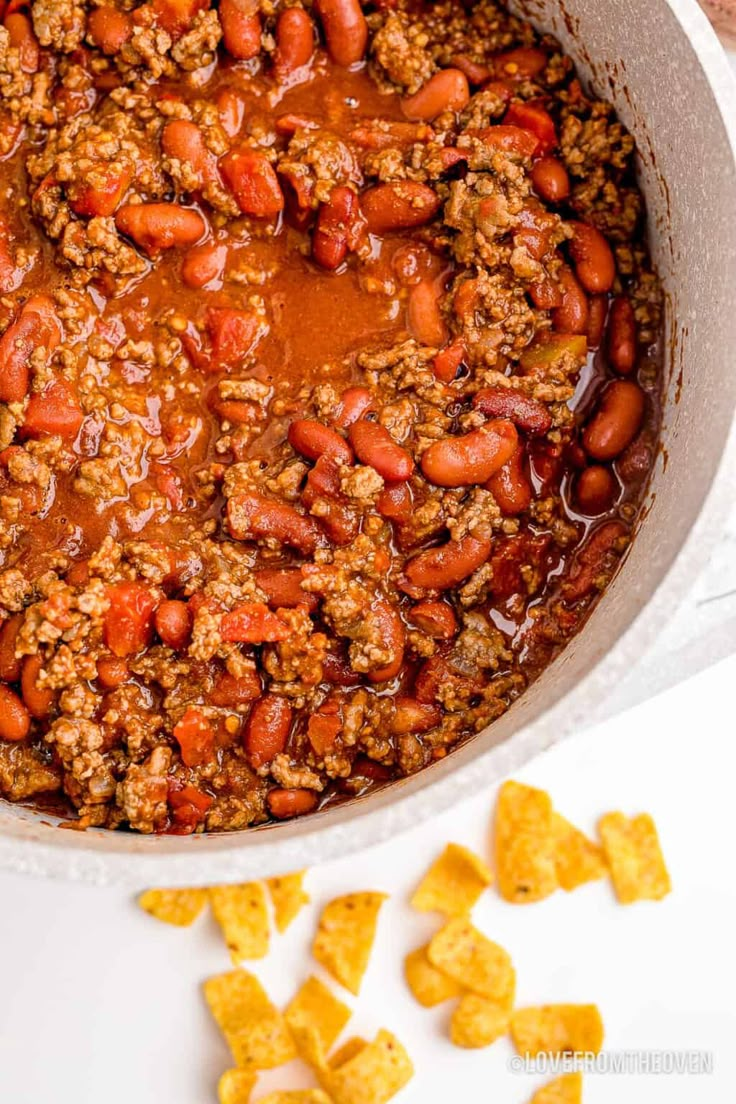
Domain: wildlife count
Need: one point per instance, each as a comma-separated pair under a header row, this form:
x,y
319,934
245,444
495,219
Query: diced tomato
x,y
196,738
323,729
188,807
100,195
54,410
252,179
177,16
233,334
253,623
533,117
128,623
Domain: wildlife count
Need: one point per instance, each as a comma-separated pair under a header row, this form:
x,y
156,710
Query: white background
x,y
99,1004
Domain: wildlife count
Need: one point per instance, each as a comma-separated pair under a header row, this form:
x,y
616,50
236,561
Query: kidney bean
x,y
38,699
595,266
395,503
294,42
444,91
157,226
573,315
10,663
177,16
597,313
550,180
526,413
533,117
241,28
375,447
473,70
173,622
595,490
402,205
36,325
253,623
424,316
230,691
55,410
231,111
545,294
108,29
337,671
510,486
448,361
471,458
436,619
595,561
252,179
338,229
182,140
284,804
267,729
22,37
616,421
411,715
203,266
622,336
450,564
112,672
392,635
252,516
346,30
15,721
504,138
283,588
313,439
522,63
354,403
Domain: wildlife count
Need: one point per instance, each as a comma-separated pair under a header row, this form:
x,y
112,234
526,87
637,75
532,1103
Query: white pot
x,y
660,63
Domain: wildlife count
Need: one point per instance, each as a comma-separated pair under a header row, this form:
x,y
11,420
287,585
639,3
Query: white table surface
x,y
99,1003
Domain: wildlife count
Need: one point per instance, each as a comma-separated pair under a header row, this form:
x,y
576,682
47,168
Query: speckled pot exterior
x,y
660,63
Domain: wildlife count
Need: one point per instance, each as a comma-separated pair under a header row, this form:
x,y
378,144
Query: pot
x,y
672,87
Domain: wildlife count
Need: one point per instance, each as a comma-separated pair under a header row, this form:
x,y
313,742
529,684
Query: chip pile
x,y
536,851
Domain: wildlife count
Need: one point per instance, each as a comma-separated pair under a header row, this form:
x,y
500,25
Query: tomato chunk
x,y
128,622
54,411
196,738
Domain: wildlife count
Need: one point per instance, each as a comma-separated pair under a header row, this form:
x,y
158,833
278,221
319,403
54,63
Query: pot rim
x,y
28,845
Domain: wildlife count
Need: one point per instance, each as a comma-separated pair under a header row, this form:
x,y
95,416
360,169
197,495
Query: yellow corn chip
x,y
317,1006
345,936
235,1086
557,1029
288,898
429,985
635,858
373,1075
478,1022
467,956
296,1096
349,1049
577,859
255,1031
524,844
174,906
309,1046
241,912
567,1089
453,883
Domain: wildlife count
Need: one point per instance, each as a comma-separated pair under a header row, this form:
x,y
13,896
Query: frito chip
x,y
255,1031
478,1022
317,1006
453,883
557,1029
428,984
344,939
524,844
309,1046
466,955
373,1075
235,1086
349,1049
174,906
577,859
287,897
241,912
567,1089
296,1096
632,849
